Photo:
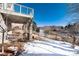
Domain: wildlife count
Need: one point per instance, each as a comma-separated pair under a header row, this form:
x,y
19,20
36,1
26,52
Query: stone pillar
x,y
27,30
31,31
9,25
24,27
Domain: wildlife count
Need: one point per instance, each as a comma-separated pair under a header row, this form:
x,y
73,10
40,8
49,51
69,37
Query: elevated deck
x,y
17,10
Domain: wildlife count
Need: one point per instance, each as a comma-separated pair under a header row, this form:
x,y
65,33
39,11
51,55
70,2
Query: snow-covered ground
x,y
48,47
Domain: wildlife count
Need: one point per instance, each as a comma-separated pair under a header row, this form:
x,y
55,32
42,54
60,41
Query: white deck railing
x,y
17,8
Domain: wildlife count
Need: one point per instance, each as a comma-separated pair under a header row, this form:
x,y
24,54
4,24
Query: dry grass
x,y
7,51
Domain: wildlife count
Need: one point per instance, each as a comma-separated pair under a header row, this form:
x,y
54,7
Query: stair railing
x,y
3,31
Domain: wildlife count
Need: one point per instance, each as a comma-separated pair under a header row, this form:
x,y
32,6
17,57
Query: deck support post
x,y
3,42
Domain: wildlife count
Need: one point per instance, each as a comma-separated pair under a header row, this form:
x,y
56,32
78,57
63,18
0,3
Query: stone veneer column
x,y
31,31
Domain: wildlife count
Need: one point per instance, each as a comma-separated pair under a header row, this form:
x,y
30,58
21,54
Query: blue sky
x,y
49,13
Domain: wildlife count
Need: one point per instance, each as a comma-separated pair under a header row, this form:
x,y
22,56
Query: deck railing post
x,y
2,6
33,12
13,7
20,8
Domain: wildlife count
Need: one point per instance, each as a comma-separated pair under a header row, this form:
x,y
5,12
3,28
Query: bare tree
x,y
72,33
73,10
